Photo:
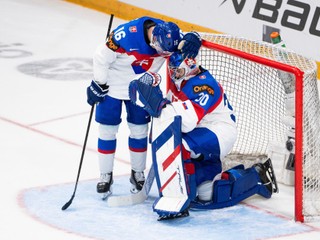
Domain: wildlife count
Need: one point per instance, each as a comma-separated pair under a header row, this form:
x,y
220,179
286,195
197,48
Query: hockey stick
x,y
132,199
67,204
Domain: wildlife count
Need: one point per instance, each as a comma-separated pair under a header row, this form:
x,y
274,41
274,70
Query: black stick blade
x,y
64,207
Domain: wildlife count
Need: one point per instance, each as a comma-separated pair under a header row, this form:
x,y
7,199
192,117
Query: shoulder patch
x,y
111,43
133,29
202,88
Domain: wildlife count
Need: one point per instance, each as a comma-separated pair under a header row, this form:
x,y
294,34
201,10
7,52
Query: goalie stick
x,y
132,199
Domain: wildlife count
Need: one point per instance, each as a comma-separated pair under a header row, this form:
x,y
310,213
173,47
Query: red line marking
x,y
313,228
59,118
53,136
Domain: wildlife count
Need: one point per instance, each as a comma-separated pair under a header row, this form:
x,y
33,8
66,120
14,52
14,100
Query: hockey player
x,y
131,49
208,127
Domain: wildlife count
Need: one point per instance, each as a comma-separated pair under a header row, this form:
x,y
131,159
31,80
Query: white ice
x,y
43,123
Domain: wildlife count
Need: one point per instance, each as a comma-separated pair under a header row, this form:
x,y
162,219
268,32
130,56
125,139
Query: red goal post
x,y
249,72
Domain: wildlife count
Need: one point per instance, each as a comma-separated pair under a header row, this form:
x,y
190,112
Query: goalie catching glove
x,y
145,92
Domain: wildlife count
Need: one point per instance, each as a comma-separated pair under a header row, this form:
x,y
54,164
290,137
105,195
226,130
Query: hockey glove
x,y
190,45
96,92
142,93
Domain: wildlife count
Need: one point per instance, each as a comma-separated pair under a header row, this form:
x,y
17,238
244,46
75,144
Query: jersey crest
x,y
133,29
141,66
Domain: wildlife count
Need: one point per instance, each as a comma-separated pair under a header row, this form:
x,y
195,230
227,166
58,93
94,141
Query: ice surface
x,y
45,61
89,216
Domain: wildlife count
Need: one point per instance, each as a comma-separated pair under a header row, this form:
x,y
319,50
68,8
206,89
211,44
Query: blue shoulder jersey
x,y
130,38
125,56
201,101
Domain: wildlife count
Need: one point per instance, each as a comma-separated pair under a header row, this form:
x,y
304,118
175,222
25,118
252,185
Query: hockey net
x,y
249,72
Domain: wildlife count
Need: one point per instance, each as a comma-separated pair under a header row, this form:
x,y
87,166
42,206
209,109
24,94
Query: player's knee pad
x,y
138,131
108,132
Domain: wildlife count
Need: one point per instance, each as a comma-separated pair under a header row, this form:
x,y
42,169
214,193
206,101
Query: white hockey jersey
x,y
124,57
201,103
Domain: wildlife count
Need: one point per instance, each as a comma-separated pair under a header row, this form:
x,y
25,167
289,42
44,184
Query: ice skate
x,y
267,176
104,186
137,180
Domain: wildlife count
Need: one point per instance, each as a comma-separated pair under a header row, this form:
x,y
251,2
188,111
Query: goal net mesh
x,y
257,95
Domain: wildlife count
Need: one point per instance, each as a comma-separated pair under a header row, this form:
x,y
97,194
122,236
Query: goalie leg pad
x,y
173,177
237,184
246,180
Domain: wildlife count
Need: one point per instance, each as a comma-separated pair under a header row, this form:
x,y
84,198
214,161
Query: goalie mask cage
x,y
249,72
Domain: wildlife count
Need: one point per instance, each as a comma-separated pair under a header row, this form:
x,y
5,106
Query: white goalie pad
x,y
168,165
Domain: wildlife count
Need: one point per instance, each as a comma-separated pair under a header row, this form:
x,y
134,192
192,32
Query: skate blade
x,y
106,195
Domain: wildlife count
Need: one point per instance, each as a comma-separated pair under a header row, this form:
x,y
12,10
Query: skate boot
x,y
104,186
137,180
267,176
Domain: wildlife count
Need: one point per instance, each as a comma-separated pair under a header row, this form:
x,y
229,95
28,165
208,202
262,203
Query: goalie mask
x,y
181,68
165,38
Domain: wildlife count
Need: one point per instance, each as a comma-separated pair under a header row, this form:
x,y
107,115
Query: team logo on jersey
x,y
133,29
111,43
141,66
202,88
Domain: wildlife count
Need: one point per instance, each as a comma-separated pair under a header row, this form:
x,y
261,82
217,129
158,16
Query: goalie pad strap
x,y
189,168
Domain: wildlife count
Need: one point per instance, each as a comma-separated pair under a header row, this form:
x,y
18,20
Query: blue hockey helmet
x,y
165,38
